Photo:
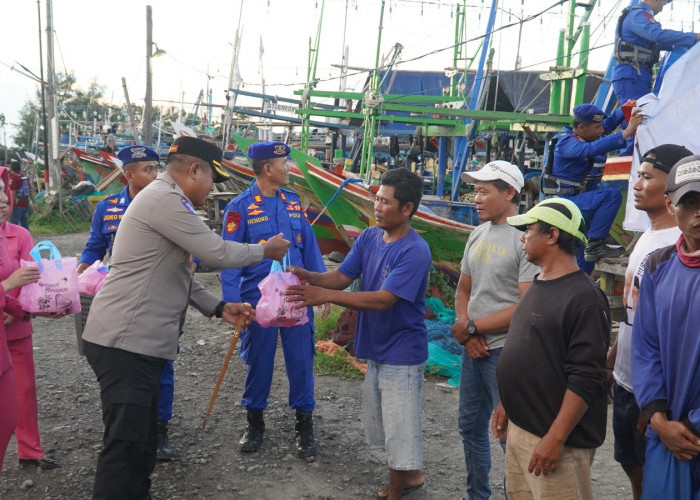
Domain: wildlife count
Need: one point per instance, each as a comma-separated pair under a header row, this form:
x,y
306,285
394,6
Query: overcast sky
x,y
105,41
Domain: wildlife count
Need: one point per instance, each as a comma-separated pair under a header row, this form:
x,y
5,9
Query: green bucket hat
x,y
559,212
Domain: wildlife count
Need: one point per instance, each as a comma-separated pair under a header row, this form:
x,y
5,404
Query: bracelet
x,y
219,309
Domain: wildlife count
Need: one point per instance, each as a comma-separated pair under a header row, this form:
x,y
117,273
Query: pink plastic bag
x,y
274,309
92,279
57,288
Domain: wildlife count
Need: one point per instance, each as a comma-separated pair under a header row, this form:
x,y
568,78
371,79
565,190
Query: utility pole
x,y
148,101
52,131
43,97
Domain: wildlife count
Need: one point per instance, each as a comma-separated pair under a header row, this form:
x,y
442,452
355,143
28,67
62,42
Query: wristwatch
x,y
471,328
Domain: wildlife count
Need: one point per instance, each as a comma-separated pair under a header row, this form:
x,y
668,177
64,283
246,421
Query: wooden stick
x,y
231,347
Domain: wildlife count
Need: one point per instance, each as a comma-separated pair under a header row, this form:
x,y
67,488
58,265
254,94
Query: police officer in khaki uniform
x,y
135,322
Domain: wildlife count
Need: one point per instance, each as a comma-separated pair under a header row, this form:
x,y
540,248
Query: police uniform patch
x,y
280,149
284,198
112,228
258,198
649,17
299,238
113,201
115,210
253,213
252,206
233,220
173,149
138,152
187,205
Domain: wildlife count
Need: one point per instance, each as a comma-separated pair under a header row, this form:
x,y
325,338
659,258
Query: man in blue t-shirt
x,y
392,263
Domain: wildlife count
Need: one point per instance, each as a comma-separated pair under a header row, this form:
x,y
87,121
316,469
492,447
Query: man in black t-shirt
x,y
551,374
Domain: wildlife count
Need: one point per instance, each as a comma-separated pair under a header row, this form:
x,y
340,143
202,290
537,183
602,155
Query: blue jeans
x,y
19,217
478,396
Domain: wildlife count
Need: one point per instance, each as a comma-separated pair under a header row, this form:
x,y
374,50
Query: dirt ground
x,y
207,462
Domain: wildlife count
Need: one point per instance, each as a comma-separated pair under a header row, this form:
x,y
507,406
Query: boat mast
x,y
231,100
462,148
371,104
311,82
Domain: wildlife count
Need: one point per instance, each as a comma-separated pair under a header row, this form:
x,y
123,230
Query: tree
x,y
72,103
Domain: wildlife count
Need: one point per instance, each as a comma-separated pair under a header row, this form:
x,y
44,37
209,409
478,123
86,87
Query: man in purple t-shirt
x,y
392,262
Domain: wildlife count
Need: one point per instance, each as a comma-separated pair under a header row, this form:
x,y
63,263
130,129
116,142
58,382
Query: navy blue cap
x,y
265,150
131,154
588,113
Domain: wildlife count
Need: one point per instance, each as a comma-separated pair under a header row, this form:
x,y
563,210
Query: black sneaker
x,y
164,452
598,249
46,463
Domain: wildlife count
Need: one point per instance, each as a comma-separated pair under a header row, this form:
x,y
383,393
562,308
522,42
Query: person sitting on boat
x,y
260,212
140,164
638,40
574,168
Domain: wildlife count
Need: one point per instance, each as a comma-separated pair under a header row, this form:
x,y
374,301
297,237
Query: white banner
x,y
669,118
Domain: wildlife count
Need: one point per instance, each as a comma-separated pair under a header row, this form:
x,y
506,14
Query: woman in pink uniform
x,y
17,245
10,307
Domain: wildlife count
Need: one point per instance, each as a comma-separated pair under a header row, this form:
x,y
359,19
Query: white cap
x,y
498,169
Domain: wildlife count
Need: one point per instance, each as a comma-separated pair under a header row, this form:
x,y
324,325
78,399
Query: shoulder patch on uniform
x,y
233,220
257,198
187,205
649,17
282,195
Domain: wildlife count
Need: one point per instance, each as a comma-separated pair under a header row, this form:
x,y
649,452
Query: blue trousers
x,y
631,88
258,346
478,396
166,392
665,477
599,209
19,217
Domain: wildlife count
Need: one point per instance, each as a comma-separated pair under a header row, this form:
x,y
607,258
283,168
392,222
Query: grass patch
x,y
40,224
323,326
337,363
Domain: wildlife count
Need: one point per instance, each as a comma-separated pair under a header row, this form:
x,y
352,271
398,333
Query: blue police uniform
x,y
638,39
105,222
577,167
252,218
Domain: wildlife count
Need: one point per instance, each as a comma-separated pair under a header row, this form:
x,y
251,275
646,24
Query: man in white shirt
x,y
629,423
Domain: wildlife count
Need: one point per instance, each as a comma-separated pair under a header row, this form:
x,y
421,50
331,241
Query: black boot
x,y
253,437
163,452
306,446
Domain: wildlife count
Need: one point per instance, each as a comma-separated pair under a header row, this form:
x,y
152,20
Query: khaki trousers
x,y
571,481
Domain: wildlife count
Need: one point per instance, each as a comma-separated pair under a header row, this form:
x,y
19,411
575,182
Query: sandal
x,y
384,492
